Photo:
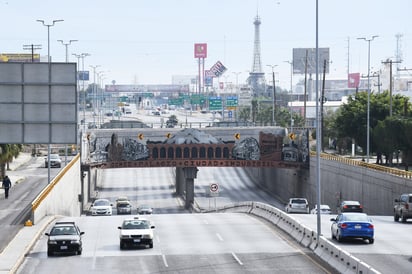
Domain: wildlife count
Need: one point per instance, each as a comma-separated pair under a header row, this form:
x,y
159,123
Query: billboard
x,y
38,105
303,56
19,57
218,69
83,75
201,50
353,80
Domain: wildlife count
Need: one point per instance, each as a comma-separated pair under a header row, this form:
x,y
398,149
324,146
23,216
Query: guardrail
x,y
353,162
326,250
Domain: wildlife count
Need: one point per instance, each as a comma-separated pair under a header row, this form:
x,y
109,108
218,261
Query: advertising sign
x,y
353,80
201,50
218,69
83,75
19,57
306,57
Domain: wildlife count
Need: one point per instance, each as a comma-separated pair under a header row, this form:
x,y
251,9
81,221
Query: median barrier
x,y
314,242
285,223
307,236
364,268
325,249
297,231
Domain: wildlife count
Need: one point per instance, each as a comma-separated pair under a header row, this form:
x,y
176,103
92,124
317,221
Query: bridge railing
x,y
356,162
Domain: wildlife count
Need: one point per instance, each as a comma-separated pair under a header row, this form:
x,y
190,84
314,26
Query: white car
x,y
55,161
297,205
136,231
101,207
324,209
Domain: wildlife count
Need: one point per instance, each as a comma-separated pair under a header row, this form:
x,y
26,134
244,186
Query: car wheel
x,y
371,240
403,218
79,252
121,245
333,235
151,245
338,237
396,217
49,253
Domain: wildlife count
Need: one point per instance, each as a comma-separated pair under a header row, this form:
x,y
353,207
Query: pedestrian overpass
x,y
189,148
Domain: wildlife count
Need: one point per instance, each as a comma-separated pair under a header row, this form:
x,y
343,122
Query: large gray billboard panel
x,y
299,60
38,105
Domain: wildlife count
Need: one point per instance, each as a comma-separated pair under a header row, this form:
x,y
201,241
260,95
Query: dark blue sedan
x,y
352,225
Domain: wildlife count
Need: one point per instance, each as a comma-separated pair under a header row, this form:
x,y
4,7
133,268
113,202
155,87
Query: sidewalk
x,y
17,162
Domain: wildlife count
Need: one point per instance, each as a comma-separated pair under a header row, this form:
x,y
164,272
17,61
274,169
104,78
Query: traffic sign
x,y
214,188
237,136
215,103
140,136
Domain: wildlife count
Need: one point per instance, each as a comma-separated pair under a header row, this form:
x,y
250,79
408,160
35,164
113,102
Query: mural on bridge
x,y
194,144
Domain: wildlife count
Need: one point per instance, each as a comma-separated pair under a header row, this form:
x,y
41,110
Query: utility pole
x,y
31,48
390,62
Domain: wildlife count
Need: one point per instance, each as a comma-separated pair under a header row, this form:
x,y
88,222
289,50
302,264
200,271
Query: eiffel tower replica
x,y
256,79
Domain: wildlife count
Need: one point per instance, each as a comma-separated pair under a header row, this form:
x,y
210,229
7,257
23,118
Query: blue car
x,y
352,225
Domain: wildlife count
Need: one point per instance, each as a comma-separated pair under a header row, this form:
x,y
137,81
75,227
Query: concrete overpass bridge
x,y
187,149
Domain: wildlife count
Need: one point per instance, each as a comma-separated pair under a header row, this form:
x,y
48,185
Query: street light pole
x,y
274,93
49,65
291,92
237,93
67,47
369,91
48,35
94,92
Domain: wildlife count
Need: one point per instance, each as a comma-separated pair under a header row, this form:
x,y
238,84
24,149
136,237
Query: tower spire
x,y
257,76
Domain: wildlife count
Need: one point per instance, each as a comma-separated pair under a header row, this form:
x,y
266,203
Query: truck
x,y
402,208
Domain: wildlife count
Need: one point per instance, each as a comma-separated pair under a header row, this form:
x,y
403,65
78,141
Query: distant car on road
x,y
350,206
124,207
403,208
144,209
136,232
352,225
101,207
297,205
324,209
64,237
55,161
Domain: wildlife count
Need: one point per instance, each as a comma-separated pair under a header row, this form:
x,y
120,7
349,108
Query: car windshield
x,y
136,224
123,205
299,201
356,218
101,203
54,156
63,230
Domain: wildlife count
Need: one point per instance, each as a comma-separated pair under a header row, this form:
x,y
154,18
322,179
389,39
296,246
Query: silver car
x,y
297,205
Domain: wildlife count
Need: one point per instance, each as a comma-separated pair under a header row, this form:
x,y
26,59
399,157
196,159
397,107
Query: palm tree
x,y
7,153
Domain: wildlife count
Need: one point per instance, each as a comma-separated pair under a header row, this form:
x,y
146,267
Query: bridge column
x,y
180,181
190,175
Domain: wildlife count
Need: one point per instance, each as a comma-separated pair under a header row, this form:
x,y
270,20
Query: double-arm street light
x,y
66,44
48,34
369,91
274,93
82,56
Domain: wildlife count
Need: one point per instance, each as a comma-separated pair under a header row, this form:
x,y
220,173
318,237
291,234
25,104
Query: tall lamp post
x,y
82,56
49,65
291,92
369,91
274,93
94,92
66,45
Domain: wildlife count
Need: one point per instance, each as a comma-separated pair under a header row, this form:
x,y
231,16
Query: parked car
x,y
352,225
144,209
350,206
136,231
55,161
101,207
297,205
403,208
324,209
124,207
64,237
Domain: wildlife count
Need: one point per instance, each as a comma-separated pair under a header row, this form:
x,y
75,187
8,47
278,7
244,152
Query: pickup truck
x,y
403,208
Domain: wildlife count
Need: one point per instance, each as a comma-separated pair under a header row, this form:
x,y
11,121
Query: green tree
x,y
7,153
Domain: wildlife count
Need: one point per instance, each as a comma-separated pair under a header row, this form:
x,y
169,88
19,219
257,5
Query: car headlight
x,y
75,242
52,242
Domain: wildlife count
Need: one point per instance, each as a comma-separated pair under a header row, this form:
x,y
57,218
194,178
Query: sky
x,y
149,41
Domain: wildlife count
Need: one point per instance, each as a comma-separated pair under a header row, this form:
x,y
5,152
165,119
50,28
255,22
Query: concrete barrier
x,y
307,236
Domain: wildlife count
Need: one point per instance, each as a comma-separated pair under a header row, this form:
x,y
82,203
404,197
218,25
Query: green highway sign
x,y
231,101
197,99
215,103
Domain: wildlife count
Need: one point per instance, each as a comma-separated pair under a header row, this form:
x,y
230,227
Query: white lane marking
x,y
237,259
219,237
164,260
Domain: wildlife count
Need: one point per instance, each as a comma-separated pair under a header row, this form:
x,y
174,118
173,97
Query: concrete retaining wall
x,y
376,190
61,196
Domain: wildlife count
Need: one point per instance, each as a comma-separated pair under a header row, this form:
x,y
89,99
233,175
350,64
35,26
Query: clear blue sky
x,y
148,41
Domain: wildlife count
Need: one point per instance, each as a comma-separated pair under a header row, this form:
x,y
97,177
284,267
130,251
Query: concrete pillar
x,y
180,181
190,192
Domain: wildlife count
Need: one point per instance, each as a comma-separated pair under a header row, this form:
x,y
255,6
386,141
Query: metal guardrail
x,y
353,162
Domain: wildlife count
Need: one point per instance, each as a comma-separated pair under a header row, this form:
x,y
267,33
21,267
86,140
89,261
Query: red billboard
x,y
201,50
353,80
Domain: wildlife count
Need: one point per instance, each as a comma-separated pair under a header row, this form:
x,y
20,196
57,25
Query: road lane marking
x,y
164,260
219,237
236,258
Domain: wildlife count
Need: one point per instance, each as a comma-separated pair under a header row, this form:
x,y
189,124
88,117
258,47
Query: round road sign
x,y
214,188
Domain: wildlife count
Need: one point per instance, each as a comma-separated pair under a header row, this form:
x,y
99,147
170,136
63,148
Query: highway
x,y
184,242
